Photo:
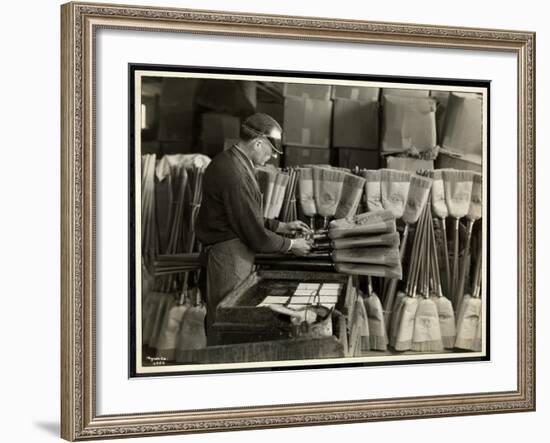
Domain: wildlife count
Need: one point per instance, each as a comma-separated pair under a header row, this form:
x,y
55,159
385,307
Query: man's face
x,y
262,152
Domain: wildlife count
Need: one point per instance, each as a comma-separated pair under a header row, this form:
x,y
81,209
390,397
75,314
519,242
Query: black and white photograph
x,y
287,220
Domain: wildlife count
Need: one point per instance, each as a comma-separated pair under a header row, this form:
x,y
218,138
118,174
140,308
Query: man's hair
x,y
258,123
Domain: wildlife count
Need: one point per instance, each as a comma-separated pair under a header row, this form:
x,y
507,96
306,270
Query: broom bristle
x,y
372,175
427,331
394,175
457,175
391,240
439,206
394,187
474,212
419,190
352,190
305,174
394,313
382,227
446,321
361,219
405,328
377,327
467,323
374,255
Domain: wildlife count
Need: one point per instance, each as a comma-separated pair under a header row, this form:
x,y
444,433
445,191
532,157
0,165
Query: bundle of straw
x,y
276,203
361,219
307,196
458,191
440,210
327,189
368,269
377,328
373,192
352,190
149,234
394,187
390,240
359,340
474,214
192,333
266,180
367,228
288,211
376,256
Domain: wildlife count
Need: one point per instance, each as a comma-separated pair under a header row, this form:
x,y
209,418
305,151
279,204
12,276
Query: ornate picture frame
x,y
80,23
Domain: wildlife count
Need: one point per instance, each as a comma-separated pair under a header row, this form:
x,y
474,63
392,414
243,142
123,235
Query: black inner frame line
x,y
134,67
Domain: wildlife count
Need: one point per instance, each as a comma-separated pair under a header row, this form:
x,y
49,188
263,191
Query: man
x,y
230,221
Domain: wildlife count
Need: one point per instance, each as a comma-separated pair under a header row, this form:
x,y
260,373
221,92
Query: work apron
x,y
228,264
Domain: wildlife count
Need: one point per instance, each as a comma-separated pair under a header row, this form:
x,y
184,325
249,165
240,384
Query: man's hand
x,y
300,246
293,227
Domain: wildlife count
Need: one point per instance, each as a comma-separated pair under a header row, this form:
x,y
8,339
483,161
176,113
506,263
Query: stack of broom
x,y
365,244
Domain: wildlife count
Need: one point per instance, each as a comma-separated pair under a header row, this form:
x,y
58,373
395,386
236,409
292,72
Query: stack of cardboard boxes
x,y
356,126
307,124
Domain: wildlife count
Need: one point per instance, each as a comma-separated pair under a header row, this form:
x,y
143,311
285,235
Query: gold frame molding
x,y
79,21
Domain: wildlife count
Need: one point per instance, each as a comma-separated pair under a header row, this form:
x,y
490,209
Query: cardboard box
x,y
355,93
471,163
406,92
275,110
408,123
311,91
351,157
175,123
299,155
442,98
408,164
463,129
307,122
355,124
216,128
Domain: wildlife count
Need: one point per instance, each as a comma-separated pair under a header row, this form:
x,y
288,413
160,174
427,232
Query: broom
x,y
418,191
407,303
376,256
373,196
396,310
427,332
375,313
363,229
391,239
394,187
474,213
327,189
369,269
469,311
359,340
458,191
307,197
192,334
478,337
443,304
352,190
362,219
439,208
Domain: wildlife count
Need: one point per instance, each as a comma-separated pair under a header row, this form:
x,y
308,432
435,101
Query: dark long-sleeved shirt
x,y
232,206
